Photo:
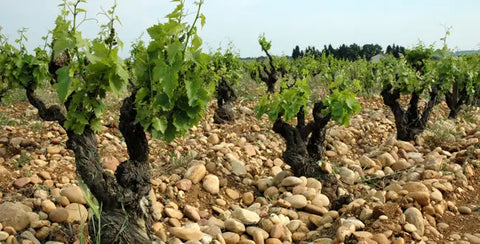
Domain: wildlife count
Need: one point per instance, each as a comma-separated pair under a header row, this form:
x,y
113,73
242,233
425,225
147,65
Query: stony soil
x,y
228,183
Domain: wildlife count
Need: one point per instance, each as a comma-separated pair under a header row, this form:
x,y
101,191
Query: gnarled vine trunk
x,y
455,100
270,76
225,98
305,146
124,197
409,123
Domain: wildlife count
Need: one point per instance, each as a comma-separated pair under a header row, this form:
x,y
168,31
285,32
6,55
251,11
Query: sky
x,y
285,22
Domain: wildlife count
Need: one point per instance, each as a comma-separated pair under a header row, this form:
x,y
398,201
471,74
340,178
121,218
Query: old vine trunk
x,y
225,98
124,197
409,123
305,146
455,100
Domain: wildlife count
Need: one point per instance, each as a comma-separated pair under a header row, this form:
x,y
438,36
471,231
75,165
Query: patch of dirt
x,y
459,223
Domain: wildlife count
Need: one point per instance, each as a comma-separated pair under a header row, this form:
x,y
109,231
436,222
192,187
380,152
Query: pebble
x,y
184,184
231,237
48,206
233,194
423,198
76,212
246,216
191,212
3,235
14,215
211,183
196,173
74,194
173,213
415,217
472,238
30,236
297,201
248,198
58,215
21,182
464,210
54,149
363,234
187,234
410,227
291,181
234,226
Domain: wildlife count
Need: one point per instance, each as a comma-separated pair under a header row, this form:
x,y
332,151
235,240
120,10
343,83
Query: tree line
x,y
351,52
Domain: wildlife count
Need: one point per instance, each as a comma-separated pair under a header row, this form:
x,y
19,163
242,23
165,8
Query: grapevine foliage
x,y
171,76
90,69
294,95
398,74
18,68
287,102
225,66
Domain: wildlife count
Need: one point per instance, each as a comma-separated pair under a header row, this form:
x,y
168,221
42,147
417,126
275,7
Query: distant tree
x,y
312,51
370,50
354,52
296,52
389,50
395,50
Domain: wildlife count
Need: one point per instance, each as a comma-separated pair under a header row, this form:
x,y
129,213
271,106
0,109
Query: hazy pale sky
x,y
285,22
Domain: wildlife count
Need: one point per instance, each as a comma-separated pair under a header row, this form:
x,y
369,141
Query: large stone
x,y
297,201
191,212
238,167
110,163
407,146
4,173
366,162
54,149
157,209
415,217
22,182
58,215
474,239
3,235
16,141
381,238
314,183
211,183
14,215
423,198
187,234
74,194
234,226
386,159
415,187
340,147
232,193
76,213
184,184
464,210
213,138
321,200
291,181
246,216
173,213
347,175
196,173
401,164
29,236
48,206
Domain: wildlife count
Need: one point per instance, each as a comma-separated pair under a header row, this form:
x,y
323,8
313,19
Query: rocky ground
x,y
228,183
